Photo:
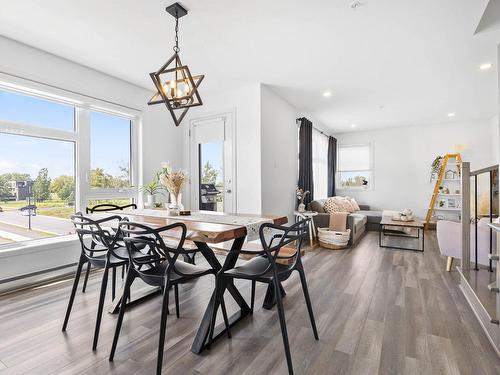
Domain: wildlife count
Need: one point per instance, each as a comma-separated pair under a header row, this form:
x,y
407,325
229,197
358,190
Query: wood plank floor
x,y
378,311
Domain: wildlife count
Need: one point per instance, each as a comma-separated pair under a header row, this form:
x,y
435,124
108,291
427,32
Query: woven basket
x,y
333,239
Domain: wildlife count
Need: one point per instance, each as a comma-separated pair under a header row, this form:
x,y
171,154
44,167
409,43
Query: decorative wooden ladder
x,y
439,180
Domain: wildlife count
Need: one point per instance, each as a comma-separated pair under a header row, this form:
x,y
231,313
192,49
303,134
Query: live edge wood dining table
x,y
205,233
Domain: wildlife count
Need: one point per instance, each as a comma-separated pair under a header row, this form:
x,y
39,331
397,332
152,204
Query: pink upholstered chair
x,y
450,241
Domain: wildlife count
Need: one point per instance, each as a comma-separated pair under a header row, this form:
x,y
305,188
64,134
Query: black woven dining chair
x,y
102,247
105,207
161,267
265,269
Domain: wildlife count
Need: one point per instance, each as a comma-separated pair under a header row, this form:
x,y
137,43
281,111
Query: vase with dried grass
x,y
173,182
301,195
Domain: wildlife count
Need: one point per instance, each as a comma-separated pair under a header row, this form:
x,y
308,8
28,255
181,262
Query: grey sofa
x,y
358,222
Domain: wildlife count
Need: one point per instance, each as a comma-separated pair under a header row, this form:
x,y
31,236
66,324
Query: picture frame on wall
x,y
450,175
452,203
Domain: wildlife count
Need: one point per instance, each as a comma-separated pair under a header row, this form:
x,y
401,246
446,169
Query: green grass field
x,y
58,208
12,204
47,203
55,208
63,212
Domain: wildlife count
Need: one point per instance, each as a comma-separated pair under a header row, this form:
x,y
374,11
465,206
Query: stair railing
x,y
475,174
465,218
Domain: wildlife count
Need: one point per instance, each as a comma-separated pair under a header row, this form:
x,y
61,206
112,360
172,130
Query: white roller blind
x,y
354,158
210,131
320,164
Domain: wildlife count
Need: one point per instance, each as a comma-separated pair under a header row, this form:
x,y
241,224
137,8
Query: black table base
x,y
270,299
201,338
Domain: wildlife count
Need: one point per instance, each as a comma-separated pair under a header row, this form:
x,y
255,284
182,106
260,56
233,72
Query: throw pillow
x,y
355,204
346,204
332,205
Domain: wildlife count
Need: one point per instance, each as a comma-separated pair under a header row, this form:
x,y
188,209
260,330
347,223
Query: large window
x,y
56,157
320,164
35,111
35,172
109,151
355,167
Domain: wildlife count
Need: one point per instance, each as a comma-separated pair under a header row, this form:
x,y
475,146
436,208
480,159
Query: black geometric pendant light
x,y
175,86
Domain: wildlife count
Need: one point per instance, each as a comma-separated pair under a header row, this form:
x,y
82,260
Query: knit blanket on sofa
x,y
338,221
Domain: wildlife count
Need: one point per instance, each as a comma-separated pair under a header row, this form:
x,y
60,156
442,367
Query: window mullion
x,y
82,117
136,158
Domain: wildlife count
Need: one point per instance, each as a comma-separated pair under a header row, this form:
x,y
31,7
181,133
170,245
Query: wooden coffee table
x,y
404,231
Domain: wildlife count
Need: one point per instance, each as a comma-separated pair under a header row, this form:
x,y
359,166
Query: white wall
x,y
496,132
161,139
402,159
495,138
266,146
245,102
279,153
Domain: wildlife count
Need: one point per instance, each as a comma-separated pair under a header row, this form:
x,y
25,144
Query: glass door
x,y
212,164
211,168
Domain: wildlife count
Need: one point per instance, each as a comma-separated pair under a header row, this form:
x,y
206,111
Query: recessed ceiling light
x,y
356,4
327,94
451,114
485,66
353,125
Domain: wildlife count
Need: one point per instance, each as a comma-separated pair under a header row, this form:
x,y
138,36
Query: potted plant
x,y
435,167
150,190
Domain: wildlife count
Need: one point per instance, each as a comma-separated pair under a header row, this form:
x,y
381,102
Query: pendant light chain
x,y
175,86
176,47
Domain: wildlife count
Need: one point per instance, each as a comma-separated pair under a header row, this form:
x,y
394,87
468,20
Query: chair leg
x,y
113,283
252,299
126,293
86,277
92,246
167,291
284,333
449,263
73,292
176,292
163,329
127,268
308,302
100,307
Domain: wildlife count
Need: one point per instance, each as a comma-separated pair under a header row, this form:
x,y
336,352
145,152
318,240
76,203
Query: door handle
x,y
228,191
494,257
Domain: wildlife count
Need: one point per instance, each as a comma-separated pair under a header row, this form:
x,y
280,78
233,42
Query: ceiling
x,y
387,62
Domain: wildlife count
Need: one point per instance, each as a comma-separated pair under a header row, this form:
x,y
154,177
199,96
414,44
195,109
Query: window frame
x,y
80,136
371,185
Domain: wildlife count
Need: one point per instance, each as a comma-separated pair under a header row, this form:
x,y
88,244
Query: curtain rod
x,y
298,120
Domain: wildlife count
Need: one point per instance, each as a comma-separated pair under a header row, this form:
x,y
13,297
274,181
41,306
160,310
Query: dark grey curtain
x,y
306,159
332,165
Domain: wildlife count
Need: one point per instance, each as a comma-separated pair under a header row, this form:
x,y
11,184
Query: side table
x,y
306,215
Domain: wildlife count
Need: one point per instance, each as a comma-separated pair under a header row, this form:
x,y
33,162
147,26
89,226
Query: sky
x,y
110,138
